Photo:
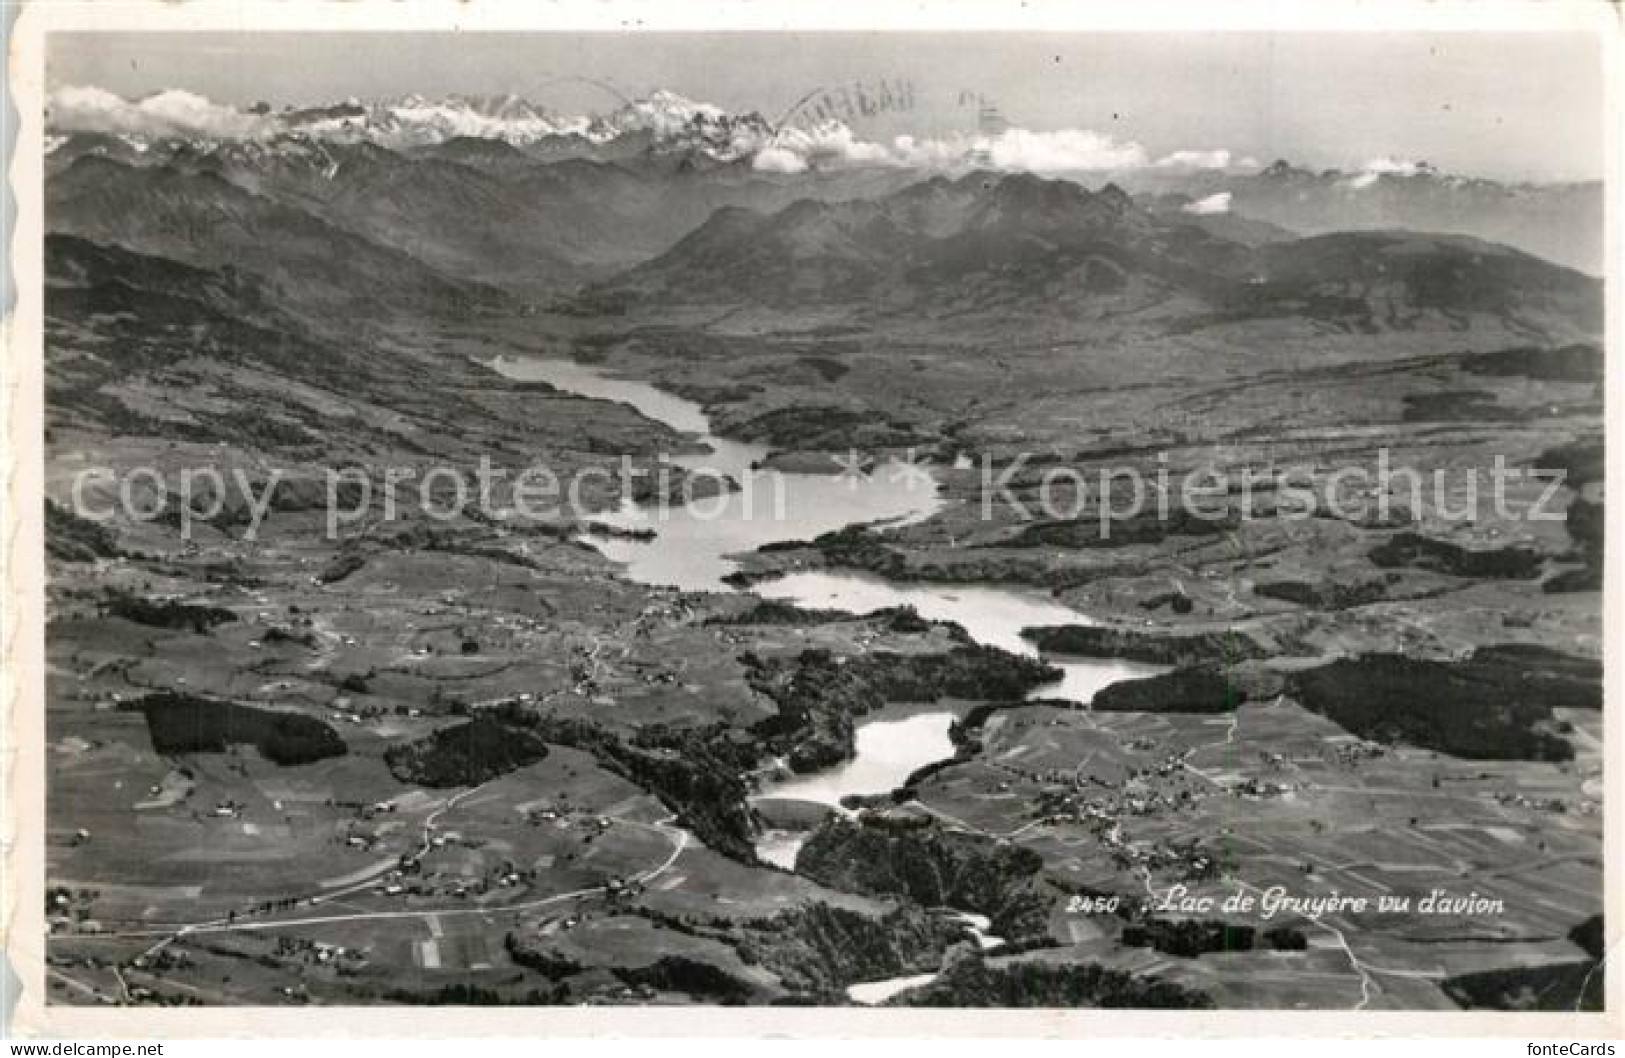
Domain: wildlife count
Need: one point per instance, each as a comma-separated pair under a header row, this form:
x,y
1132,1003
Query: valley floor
x,y
1122,854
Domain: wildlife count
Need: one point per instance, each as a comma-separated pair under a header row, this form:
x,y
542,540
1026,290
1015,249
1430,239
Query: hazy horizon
x,y
1512,106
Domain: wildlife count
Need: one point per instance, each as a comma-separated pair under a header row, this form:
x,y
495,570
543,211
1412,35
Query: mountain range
x,y
1562,222
451,222
410,121
665,132
1017,244
662,204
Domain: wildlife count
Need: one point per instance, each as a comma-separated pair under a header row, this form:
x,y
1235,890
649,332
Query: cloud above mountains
x,y
1068,150
795,150
1212,205
174,113
666,119
1219,159
1377,168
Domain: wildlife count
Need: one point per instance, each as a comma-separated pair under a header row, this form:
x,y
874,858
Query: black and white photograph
x,y
1081,519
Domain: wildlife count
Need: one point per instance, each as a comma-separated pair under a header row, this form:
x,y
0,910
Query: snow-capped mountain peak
x,y
666,118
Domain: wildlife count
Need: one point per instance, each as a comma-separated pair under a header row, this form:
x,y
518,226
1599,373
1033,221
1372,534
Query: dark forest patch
x,y
1468,405
1202,689
1496,705
1564,986
185,723
1197,648
465,755
1414,551
973,982
165,613
1328,595
1149,527
74,539
1579,362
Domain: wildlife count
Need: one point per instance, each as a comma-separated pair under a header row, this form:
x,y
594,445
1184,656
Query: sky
x,y
1511,106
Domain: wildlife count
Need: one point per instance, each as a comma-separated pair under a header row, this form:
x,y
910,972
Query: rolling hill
x,y
204,219
1562,222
